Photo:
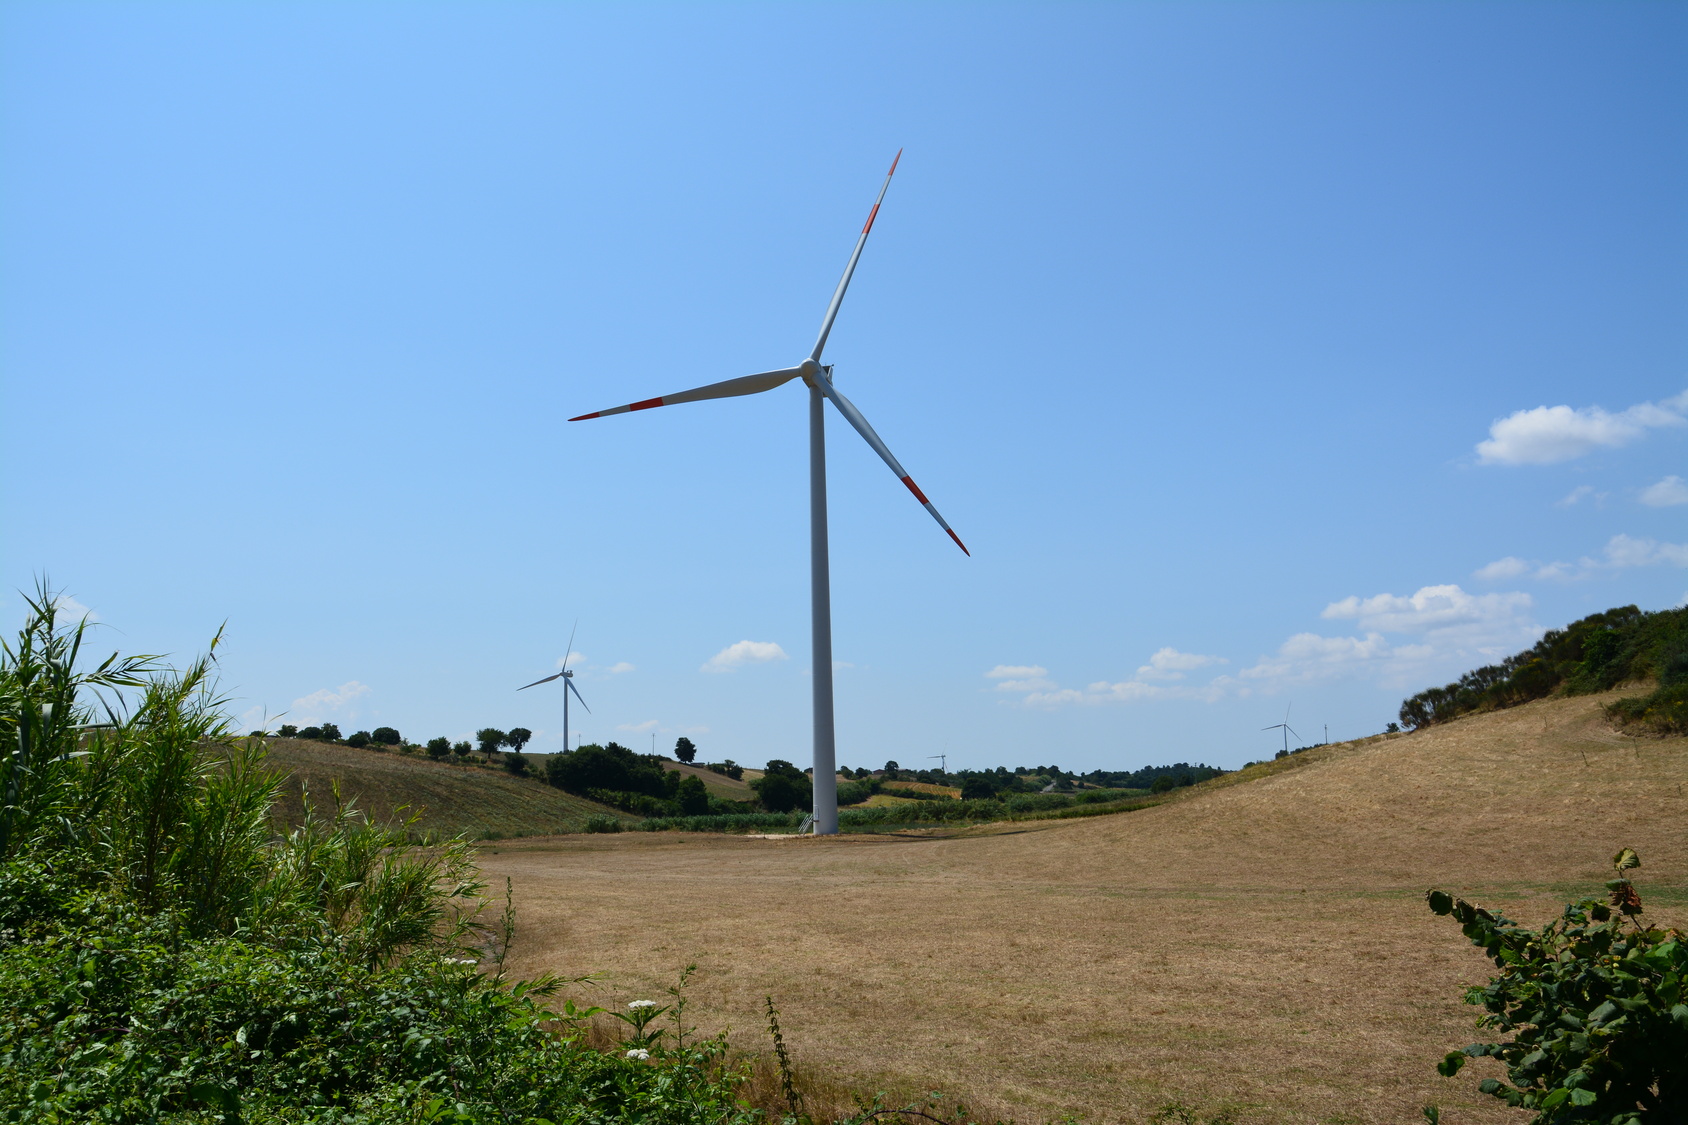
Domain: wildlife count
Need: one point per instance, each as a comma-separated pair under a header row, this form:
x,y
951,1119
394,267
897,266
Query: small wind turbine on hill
x,y
1288,730
568,685
818,378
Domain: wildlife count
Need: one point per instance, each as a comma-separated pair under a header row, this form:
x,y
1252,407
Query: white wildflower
x,y
637,1004
639,1053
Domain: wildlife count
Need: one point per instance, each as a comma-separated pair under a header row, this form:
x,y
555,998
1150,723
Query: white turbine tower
x,y
568,685
818,379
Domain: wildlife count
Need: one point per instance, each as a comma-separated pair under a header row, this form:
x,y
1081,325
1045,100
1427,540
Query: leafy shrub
x,y
783,787
516,763
692,797
358,739
602,823
438,748
287,730
461,749
728,768
1664,711
314,734
1593,1004
387,736
684,750
855,792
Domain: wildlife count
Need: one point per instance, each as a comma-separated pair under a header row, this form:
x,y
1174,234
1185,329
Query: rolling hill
x,y
1259,944
485,803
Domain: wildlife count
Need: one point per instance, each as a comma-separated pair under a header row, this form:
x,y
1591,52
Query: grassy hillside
x,y
485,803
1258,943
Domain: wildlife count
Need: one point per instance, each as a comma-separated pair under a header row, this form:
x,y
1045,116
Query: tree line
x,y
1597,653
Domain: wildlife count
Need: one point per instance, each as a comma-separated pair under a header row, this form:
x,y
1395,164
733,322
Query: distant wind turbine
x,y
568,685
1288,730
818,378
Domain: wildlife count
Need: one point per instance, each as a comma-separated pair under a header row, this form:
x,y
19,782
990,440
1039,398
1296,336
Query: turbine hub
x,y
809,368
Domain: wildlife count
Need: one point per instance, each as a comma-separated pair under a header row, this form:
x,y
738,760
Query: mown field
x,y
1257,944
483,803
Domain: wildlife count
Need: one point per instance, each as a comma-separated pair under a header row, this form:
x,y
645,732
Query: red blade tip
x,y
583,417
959,543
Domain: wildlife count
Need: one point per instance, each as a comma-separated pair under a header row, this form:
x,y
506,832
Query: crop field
x,y
1258,945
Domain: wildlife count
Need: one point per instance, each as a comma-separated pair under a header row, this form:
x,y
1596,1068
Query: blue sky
x,y
1263,355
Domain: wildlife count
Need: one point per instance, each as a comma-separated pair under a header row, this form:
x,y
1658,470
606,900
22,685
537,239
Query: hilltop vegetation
x,y
1598,653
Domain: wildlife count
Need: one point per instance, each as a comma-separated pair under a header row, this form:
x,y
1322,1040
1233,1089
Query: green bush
x,y
438,748
1592,1006
163,957
599,822
358,739
611,768
387,736
783,787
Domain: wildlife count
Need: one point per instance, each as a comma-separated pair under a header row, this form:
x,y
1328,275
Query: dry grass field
x,y
1258,946
450,797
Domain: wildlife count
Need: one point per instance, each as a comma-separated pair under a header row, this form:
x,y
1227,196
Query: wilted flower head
x,y
639,1053
637,1004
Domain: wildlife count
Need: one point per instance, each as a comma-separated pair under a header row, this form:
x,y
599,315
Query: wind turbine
x,y
1288,730
568,685
818,379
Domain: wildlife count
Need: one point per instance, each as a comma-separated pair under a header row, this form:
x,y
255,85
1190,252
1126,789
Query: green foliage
x,y
438,748
287,730
163,957
358,739
386,736
692,797
518,738
783,787
855,792
684,750
1663,711
1594,654
728,768
516,763
488,740
461,749
1595,1006
611,769
602,823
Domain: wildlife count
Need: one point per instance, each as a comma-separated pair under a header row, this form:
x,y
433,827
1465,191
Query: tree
x,y
783,787
314,734
516,762
1163,784
692,796
330,732
613,768
684,750
977,788
518,738
490,739
358,739
385,735
461,749
438,748
287,730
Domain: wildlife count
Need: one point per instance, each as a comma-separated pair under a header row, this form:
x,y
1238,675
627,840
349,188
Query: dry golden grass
x,y
1260,946
451,797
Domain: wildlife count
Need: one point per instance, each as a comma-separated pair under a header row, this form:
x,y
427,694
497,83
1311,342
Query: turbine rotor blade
x,y
569,651
576,691
744,385
854,417
536,683
855,256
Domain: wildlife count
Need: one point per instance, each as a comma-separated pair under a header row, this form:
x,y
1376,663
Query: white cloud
x,y
574,657
648,724
1624,551
1308,656
1431,607
1170,664
309,709
1668,493
1016,671
71,609
620,667
1548,434
1578,493
1509,567
744,652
